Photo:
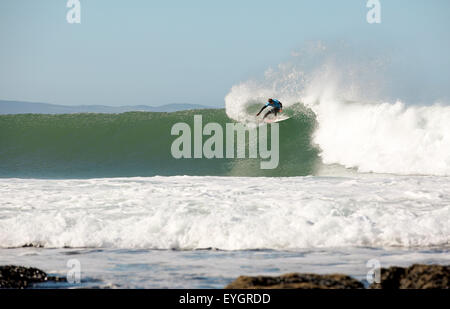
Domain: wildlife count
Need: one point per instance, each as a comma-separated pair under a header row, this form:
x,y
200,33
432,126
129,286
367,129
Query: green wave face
x,y
135,144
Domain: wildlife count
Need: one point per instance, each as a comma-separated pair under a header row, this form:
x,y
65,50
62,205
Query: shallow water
x,y
120,268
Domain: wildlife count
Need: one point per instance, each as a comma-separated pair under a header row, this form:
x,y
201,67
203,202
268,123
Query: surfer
x,y
276,108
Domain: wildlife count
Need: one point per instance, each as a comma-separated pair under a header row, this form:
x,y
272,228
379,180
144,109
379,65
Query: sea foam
x,y
230,213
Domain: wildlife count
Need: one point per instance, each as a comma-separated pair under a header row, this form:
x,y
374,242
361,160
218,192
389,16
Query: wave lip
x,y
229,213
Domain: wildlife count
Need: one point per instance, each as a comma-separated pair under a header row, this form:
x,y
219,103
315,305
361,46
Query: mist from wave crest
x,y
359,125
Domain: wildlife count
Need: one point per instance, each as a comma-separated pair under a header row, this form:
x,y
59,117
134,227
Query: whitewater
x,y
204,232
237,213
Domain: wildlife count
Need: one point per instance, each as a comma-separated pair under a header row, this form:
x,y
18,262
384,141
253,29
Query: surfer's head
x,y
270,101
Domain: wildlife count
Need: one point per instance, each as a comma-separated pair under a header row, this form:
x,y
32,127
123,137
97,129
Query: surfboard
x,y
279,118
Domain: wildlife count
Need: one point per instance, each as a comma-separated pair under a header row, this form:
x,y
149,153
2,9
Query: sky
x,y
157,52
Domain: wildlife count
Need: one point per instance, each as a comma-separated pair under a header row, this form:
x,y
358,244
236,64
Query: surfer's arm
x,y
261,110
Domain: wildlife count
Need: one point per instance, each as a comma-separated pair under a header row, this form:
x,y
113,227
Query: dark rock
x,y
416,276
19,277
296,281
31,245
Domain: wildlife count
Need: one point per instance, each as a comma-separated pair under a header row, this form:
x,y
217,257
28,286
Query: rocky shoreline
x,y
19,277
296,281
417,276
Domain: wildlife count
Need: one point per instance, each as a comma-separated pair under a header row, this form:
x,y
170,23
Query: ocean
x,y
355,183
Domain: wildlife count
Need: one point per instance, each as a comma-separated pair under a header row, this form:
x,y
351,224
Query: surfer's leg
x,y
267,114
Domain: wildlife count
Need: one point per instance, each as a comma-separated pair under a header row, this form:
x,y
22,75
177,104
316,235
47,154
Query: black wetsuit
x,y
276,108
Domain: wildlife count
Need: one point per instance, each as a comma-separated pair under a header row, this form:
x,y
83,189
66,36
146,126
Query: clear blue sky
x,y
168,51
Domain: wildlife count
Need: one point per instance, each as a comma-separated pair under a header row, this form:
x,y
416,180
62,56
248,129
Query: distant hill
x,y
16,107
